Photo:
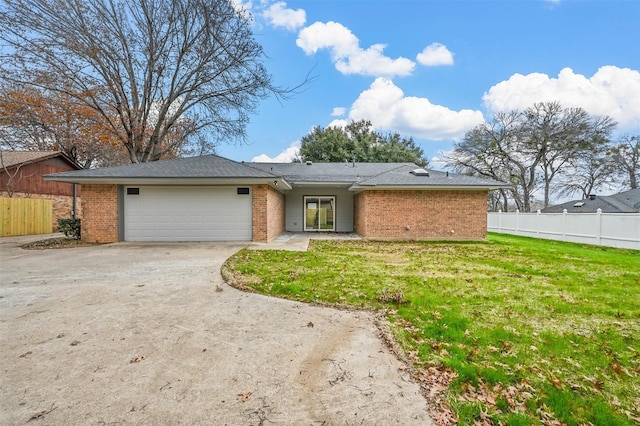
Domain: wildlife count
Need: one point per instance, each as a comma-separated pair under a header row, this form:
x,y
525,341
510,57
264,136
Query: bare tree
x,y
625,159
11,176
555,136
497,150
589,172
531,149
143,65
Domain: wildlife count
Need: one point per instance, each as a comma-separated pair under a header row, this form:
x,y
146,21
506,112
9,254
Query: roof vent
x,y
592,196
580,204
419,172
308,163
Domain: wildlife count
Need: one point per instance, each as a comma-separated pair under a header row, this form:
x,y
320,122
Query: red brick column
x,y
275,213
268,213
259,210
100,213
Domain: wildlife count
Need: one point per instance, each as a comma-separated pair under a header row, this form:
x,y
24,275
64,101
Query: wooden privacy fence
x,y
604,229
25,216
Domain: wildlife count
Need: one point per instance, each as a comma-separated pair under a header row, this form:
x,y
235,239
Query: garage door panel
x,y
187,214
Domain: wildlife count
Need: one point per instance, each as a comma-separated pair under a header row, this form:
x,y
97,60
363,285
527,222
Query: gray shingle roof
x,y
327,172
210,167
629,198
403,176
624,202
207,166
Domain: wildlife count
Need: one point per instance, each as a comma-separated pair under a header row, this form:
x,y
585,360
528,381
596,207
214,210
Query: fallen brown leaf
x,y
244,396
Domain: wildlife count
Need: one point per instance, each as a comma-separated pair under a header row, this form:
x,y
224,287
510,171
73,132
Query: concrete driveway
x,y
150,334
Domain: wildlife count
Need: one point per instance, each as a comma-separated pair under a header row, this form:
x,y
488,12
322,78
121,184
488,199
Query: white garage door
x,y
190,213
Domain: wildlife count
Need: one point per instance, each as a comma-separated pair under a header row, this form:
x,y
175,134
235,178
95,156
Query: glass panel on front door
x,y
319,213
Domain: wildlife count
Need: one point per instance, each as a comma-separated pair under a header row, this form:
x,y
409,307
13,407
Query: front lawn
x,y
512,330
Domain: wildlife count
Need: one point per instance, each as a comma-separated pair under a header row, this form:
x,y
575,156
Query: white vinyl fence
x,y
604,229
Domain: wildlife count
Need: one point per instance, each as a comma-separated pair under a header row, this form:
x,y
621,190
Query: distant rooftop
x,y
14,158
623,202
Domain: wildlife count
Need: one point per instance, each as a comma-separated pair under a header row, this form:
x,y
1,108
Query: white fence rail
x,y
604,229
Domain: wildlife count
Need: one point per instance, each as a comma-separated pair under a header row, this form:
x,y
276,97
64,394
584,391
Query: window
x,y
133,191
243,191
319,213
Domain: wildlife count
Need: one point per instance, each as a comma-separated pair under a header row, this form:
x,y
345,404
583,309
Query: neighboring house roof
x,y
212,167
10,159
629,198
623,202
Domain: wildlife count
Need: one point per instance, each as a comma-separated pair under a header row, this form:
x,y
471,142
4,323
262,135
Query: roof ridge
x,y
387,171
250,165
614,202
27,157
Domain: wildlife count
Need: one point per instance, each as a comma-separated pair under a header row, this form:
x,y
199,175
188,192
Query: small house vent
x,y
419,172
580,204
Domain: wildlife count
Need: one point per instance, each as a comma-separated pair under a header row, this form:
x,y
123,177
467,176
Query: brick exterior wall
x,y
100,213
268,213
276,222
62,205
421,215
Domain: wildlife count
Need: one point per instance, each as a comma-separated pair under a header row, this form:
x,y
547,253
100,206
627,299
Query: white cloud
x,y
346,53
435,54
286,156
387,107
338,111
610,91
278,15
339,123
439,161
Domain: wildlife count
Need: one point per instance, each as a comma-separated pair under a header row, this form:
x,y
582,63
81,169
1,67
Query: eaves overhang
x,y
277,182
452,187
321,183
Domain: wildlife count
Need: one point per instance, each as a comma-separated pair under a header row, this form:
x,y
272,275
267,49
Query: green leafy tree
x,y
359,142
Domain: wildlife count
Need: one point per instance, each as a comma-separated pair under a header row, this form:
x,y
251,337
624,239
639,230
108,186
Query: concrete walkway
x,y
299,241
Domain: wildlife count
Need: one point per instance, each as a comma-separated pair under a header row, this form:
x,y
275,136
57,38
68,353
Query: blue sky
x,y
434,69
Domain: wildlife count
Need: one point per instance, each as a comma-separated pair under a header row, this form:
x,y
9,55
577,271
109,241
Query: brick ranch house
x,y
21,176
211,198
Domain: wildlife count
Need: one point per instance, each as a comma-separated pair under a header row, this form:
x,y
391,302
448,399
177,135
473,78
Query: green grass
x,y
535,331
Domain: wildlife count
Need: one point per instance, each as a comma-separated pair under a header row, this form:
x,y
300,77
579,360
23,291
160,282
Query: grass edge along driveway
x,y
511,330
